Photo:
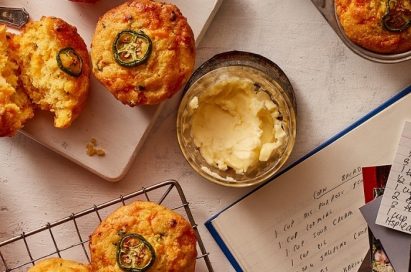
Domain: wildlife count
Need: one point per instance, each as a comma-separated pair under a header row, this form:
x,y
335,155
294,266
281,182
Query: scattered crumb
x,y
93,150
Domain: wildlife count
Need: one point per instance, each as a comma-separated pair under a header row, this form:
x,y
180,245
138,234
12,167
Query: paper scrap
x,y
395,209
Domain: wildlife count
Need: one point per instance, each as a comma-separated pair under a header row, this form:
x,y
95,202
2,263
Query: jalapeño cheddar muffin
x,y
55,67
15,107
58,265
381,26
84,1
143,236
143,51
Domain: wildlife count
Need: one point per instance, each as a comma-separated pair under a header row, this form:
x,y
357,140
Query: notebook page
x,y
307,219
395,209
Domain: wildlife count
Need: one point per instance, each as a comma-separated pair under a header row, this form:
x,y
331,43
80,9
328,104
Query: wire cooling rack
x,y
67,238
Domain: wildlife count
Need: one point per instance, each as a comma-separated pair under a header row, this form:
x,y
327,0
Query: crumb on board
x,y
93,150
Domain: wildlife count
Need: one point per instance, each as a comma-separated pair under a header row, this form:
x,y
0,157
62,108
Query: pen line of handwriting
x,y
335,187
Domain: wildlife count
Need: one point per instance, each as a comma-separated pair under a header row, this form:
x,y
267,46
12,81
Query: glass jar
x,y
268,78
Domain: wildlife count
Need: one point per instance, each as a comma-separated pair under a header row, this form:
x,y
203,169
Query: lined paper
x,y
309,222
395,209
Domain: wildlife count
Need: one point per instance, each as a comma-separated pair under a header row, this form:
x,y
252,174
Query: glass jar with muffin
x,y
377,30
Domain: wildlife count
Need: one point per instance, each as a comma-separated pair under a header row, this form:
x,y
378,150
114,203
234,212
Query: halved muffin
x,y
15,107
55,67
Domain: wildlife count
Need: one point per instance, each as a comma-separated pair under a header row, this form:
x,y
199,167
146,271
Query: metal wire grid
x,y
169,185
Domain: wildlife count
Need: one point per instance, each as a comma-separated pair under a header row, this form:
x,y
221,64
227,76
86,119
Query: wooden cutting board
x,y
120,130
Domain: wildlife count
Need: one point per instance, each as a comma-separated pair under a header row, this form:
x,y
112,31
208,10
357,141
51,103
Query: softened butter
x,y
235,124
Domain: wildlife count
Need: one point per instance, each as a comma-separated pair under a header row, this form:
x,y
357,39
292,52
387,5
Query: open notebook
x,y
307,218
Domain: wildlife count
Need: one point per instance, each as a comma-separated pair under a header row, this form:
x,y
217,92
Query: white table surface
x,y
333,86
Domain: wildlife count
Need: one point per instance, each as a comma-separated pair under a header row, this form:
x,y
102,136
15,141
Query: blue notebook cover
x,y
209,223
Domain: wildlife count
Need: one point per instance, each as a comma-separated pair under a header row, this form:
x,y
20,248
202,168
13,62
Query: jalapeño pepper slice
x,y
397,18
131,48
134,253
70,62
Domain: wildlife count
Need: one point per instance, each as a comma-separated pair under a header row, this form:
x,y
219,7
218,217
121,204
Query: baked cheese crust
x,y
167,68
361,21
59,265
171,236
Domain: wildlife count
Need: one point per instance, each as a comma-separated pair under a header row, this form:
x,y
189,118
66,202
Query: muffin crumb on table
x,y
93,150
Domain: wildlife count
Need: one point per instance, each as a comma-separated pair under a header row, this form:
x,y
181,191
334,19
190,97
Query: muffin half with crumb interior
x,y
58,265
143,51
381,26
15,107
55,67
143,236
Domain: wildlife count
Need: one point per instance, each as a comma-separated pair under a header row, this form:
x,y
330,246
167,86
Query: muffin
x,y
144,236
58,265
55,67
15,107
143,51
85,1
381,26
